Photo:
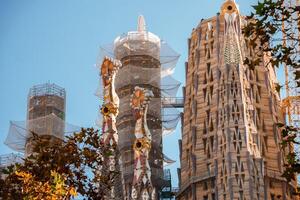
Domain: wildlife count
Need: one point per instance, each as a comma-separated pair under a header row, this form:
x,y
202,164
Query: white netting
x,y
137,43
165,84
169,116
51,125
147,62
10,159
168,161
168,85
170,119
167,56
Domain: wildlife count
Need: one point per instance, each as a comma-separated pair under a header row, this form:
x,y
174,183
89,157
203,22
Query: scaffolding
x,y
10,159
45,118
47,89
291,103
163,85
147,62
168,192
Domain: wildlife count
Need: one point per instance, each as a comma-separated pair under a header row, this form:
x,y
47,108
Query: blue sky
x,y
58,41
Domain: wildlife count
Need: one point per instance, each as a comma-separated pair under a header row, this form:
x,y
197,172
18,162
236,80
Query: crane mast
x,y
291,102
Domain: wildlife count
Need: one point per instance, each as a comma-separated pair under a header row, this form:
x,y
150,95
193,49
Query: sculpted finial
x,y
141,24
229,6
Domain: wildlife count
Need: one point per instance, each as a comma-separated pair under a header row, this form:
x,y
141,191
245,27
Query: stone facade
x,y
230,146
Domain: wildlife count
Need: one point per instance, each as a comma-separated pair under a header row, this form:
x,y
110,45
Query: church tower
x,y
230,148
140,140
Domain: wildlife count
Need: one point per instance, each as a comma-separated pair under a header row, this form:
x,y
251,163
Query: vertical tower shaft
x,y
230,141
45,113
139,53
110,110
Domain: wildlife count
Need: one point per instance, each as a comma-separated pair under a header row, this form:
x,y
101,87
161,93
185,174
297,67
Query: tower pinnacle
x,y
229,6
141,24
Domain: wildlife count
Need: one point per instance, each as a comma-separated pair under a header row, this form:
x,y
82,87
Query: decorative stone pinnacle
x,y
141,24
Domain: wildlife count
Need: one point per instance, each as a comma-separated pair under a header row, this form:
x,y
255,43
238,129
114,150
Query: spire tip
x,y
141,24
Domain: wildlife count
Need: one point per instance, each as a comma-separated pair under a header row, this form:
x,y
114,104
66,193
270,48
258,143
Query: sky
x,y
58,41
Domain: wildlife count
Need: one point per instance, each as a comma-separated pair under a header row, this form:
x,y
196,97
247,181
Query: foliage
x,y
53,189
273,29
292,162
67,167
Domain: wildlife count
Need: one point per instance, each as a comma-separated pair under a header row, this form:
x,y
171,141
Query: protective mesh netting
x,y
170,116
147,62
20,131
168,86
167,56
10,159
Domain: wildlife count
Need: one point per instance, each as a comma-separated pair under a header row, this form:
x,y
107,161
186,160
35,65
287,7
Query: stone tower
x,y
139,53
45,114
230,148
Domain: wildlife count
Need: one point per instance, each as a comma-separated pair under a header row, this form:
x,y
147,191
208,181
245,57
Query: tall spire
x,y
141,24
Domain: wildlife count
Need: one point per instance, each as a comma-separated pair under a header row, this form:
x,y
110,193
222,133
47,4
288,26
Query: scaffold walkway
x,y
172,102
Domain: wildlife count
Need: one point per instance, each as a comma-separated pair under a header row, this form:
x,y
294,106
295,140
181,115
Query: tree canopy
x,y
273,29
61,170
